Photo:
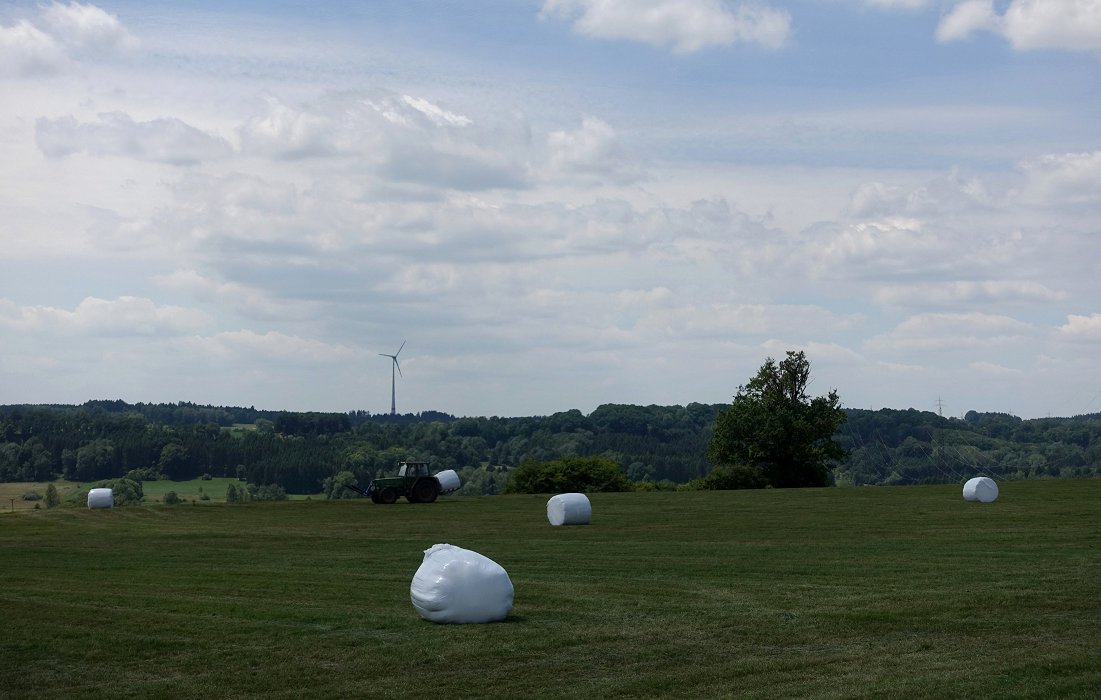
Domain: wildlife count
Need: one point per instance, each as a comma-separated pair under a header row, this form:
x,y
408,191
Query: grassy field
x,y
906,592
11,493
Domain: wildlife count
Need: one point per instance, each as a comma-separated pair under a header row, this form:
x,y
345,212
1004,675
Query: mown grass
x,y
833,593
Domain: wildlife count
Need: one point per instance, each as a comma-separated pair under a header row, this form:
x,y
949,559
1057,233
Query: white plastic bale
x,y
457,585
449,481
569,509
101,498
980,488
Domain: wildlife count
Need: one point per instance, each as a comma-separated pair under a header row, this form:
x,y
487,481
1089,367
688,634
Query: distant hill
x,y
298,450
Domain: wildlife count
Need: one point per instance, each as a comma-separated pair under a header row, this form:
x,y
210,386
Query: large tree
x,y
774,428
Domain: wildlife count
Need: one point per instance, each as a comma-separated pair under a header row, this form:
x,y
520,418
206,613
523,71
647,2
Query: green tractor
x,y
413,481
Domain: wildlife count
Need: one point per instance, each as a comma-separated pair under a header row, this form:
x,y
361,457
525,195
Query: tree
x,y
52,498
174,460
775,429
334,486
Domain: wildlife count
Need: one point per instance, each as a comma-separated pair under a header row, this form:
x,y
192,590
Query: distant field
x,y
905,592
11,494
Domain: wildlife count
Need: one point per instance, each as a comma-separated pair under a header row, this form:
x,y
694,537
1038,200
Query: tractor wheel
x,y
374,496
387,496
426,490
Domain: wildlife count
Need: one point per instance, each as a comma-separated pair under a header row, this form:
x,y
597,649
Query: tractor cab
x,y
413,469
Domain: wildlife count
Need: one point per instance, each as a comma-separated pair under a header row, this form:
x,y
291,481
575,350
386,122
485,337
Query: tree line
x,y
656,445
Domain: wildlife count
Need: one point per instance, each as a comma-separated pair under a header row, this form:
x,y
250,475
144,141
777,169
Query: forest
x,y
655,446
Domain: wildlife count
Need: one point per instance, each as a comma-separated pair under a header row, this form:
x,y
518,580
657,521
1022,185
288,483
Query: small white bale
x,y
981,488
569,509
101,498
449,481
457,585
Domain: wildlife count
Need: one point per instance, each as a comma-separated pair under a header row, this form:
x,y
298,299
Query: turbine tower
x,y
393,391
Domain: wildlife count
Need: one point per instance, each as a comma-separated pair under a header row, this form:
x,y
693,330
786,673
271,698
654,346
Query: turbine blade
x,y
399,349
399,367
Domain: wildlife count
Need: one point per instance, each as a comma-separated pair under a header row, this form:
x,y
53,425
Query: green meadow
x,y
903,592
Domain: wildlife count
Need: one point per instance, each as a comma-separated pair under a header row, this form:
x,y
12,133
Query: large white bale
x,y
449,481
981,488
460,586
569,509
101,498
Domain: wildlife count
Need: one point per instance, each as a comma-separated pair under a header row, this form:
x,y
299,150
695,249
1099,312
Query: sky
x,y
553,204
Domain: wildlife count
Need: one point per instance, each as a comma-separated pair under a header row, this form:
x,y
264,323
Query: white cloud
x,y
894,245
253,347
27,51
87,29
991,369
728,321
682,25
165,140
1029,24
121,317
592,150
967,18
60,34
1060,179
946,194
952,331
898,4
953,293
1082,328
284,132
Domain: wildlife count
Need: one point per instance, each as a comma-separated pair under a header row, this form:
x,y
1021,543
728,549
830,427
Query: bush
x,y
568,474
171,498
270,492
52,497
125,492
731,478
145,474
32,496
204,497
207,477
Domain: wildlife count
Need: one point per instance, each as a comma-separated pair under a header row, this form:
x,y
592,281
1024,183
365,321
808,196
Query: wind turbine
x,y
393,391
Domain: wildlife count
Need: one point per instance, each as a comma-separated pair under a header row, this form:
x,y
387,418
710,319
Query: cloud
x,y
87,29
681,25
60,34
26,51
284,132
1081,328
966,292
952,331
261,348
890,246
945,194
991,369
165,140
592,150
729,321
898,4
402,139
1060,179
94,317
1029,24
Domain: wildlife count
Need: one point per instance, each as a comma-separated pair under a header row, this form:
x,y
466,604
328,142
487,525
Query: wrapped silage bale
x,y
981,488
101,498
460,586
569,509
449,481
